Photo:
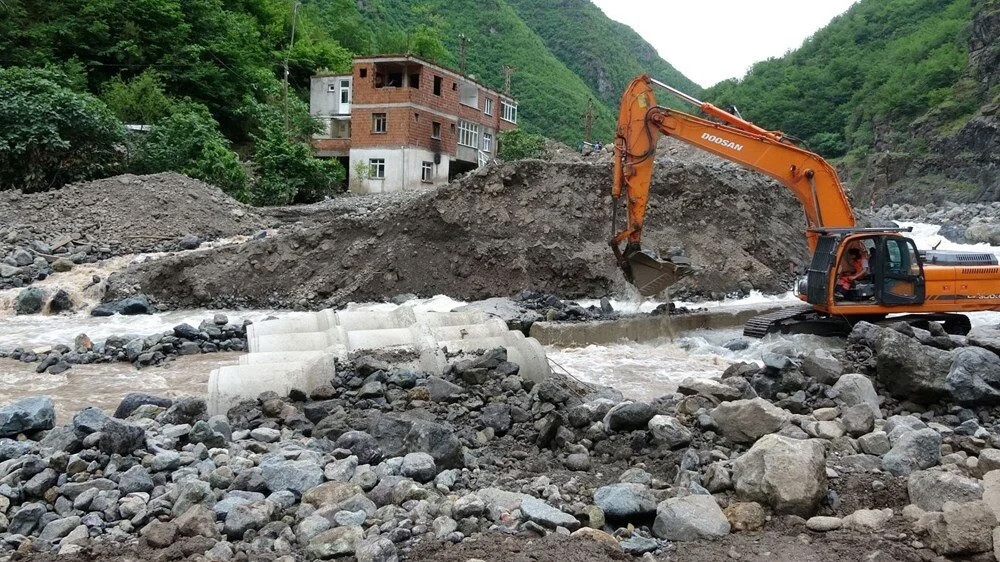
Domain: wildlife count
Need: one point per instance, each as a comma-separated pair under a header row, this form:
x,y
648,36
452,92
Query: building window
x,y
509,111
488,110
331,88
415,81
437,85
363,72
376,168
468,134
487,143
426,171
379,122
345,91
435,130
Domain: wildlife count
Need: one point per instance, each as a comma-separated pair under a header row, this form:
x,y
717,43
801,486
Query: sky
x,y
712,40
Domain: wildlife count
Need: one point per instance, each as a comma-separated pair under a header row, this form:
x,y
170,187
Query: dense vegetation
x,y
858,83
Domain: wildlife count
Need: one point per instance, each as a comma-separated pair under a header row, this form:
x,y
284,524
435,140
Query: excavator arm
x,y
641,122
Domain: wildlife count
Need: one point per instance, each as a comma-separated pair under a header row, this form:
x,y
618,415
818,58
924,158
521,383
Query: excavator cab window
x,y
900,274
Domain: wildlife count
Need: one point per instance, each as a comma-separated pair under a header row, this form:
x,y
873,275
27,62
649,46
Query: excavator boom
x,y
641,122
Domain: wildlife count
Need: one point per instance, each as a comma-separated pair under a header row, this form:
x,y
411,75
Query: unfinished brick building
x,y
401,122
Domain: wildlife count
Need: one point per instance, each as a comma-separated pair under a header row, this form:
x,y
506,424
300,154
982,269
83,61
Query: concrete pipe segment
x,y
300,352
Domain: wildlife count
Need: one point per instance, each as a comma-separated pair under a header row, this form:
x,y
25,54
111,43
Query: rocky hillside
x,y
903,93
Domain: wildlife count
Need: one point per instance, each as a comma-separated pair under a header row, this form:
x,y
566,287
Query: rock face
x,y
787,474
745,421
690,518
29,414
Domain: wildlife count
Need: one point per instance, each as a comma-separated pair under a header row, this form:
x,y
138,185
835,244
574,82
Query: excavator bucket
x,y
651,275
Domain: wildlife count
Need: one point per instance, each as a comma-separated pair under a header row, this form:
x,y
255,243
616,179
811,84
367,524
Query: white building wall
x,y
402,169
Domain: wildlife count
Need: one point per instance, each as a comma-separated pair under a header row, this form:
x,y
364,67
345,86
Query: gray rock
x,y
469,505
853,389
708,387
135,479
497,416
745,421
378,549
189,242
242,518
909,369
338,541
578,461
787,474
298,476
858,420
628,416
638,544
974,377
89,420
190,493
822,368
930,489
914,450
121,438
441,390
392,432
625,501
667,431
875,443
26,519
59,528
986,337
29,301
133,400
534,509
28,414
203,432
961,528
130,306
690,518
418,466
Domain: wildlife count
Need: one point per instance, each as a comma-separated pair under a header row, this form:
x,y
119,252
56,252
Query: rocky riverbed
x,y
888,449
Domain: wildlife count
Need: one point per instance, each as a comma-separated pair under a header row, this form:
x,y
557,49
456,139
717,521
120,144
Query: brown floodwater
x,y
103,385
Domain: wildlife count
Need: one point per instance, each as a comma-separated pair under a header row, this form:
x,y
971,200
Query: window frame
x,y
508,111
345,91
469,132
488,106
436,125
376,119
376,164
426,171
487,143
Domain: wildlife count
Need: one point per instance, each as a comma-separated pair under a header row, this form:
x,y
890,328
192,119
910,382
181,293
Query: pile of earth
x,y
507,227
85,222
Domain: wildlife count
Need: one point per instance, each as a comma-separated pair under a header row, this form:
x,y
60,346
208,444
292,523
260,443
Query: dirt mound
x,y
123,214
528,224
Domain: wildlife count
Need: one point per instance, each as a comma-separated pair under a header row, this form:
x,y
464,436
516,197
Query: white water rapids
x,y
639,370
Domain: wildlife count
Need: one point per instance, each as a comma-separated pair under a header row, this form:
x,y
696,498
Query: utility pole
x,y
589,116
291,45
463,41
507,71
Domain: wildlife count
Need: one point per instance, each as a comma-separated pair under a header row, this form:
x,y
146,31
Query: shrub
x,y
516,144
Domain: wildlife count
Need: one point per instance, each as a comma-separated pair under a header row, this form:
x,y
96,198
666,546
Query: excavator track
x,y
760,326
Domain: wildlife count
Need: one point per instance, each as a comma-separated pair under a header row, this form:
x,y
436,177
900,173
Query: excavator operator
x,y
854,267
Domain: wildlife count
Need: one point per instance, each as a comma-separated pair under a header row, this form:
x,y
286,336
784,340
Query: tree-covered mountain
x,y
886,80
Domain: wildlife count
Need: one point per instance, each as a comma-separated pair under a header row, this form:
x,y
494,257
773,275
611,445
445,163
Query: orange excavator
x,y
855,273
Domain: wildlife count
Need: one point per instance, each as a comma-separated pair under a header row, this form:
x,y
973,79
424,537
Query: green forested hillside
x,y
606,53
859,82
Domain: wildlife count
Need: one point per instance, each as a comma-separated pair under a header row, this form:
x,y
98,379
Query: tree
x,y
517,144
51,135
188,141
140,100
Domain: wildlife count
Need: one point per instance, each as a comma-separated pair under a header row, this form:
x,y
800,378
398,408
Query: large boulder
x,y
854,389
133,400
29,301
690,518
625,501
974,377
398,435
120,437
628,416
745,421
28,414
667,431
787,474
913,450
961,528
930,489
907,368
298,476
985,336
131,306
534,509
